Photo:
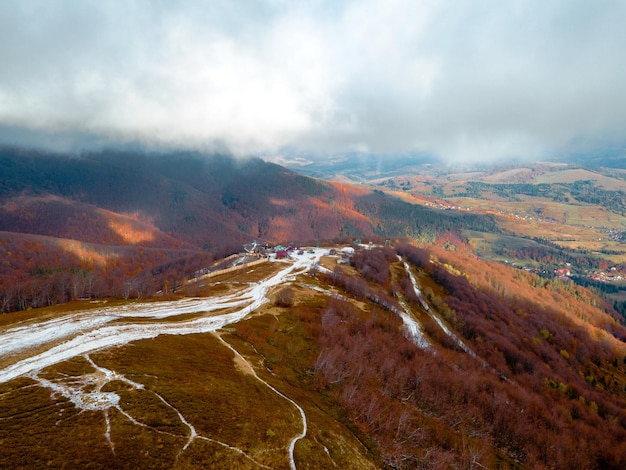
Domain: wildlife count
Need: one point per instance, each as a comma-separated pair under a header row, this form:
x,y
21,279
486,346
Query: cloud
x,y
459,79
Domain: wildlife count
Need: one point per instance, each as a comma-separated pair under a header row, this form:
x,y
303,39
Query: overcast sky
x,y
464,80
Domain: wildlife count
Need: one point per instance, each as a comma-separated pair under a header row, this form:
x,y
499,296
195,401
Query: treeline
x,y
586,191
581,191
602,286
553,256
606,289
36,273
476,189
393,217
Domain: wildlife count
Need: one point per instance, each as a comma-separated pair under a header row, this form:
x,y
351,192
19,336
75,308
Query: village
x,y
257,253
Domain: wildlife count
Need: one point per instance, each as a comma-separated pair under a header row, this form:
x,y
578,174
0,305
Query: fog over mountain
x,y
465,81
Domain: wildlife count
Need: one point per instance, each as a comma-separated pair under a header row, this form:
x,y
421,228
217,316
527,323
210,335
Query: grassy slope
x,y
198,376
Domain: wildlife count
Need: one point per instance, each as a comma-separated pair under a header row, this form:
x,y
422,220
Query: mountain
x,y
199,200
369,353
374,357
182,204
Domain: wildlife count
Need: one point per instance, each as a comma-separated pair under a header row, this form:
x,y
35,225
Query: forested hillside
x,y
201,200
137,213
508,375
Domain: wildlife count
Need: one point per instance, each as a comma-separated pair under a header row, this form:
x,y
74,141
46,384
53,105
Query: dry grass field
x,y
579,174
191,401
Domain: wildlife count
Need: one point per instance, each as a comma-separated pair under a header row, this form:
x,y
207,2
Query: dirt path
x,y
240,359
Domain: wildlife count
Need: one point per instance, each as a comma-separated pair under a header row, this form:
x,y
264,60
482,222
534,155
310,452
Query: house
x,y
563,272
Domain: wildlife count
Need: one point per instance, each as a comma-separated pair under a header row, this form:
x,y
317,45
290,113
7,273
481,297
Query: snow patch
x,y
91,330
433,315
412,327
85,392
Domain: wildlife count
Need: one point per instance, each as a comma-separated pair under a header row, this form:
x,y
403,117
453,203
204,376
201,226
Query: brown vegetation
x,y
39,271
532,407
105,214
545,390
284,297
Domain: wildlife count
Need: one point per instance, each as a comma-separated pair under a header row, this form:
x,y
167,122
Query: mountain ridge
x,y
186,194
210,204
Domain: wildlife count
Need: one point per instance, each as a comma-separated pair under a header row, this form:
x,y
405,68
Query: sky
x,y
464,80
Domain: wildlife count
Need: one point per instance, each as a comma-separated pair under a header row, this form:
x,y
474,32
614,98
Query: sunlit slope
x,y
201,201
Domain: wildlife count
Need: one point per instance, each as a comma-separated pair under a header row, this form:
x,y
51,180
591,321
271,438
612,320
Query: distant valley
x,y
554,217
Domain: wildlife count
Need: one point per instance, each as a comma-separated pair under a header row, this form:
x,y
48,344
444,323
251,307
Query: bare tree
x,y
284,297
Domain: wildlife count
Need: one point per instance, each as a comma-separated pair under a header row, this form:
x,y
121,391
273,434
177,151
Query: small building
x,y
347,251
563,272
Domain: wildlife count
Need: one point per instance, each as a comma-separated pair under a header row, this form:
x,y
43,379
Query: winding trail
x,y
292,443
